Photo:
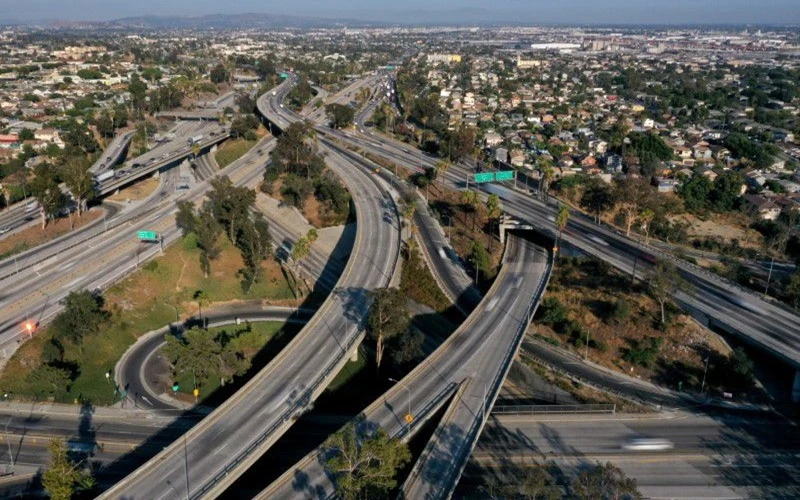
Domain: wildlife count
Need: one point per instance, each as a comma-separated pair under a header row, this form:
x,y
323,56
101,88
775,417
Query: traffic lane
x,y
426,385
236,431
578,435
450,446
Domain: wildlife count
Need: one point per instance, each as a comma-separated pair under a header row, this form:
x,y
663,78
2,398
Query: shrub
x,y
620,311
551,312
643,355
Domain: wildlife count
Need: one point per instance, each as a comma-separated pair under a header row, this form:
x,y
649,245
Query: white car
x,y
4,230
647,444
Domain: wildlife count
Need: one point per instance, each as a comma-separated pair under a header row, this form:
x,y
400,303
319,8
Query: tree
x,y
387,318
79,181
341,115
632,194
62,479
493,210
364,466
25,134
726,190
441,167
740,367
241,125
138,91
82,315
695,192
47,192
230,204
49,381
219,74
207,230
598,198
459,143
645,218
255,243
604,482
479,258
409,209
470,199
562,219
664,283
185,218
195,352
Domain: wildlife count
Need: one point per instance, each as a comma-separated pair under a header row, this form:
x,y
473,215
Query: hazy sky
x,y
409,11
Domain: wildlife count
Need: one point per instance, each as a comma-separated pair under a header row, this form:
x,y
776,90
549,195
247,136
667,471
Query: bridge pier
x,y
796,387
354,354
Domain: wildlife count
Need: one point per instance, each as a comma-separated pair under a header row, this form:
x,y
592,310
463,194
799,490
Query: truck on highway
x,y
104,176
195,139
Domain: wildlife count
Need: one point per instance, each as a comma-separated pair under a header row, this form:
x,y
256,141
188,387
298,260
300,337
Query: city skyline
x,y
679,12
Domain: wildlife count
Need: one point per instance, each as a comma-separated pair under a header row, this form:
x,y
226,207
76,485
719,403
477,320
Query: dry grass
x,y
136,192
589,295
35,235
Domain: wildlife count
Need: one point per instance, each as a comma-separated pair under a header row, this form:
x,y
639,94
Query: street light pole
x,y
636,259
586,355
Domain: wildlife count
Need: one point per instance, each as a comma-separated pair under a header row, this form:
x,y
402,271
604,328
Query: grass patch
x,y
145,301
232,150
419,284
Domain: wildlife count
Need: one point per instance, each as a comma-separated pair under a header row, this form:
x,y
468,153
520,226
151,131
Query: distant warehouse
x,y
444,58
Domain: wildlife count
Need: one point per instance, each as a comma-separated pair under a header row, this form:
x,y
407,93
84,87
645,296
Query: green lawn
x,y
144,301
232,150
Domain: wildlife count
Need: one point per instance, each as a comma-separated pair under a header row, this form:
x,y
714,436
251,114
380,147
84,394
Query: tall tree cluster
x,y
228,209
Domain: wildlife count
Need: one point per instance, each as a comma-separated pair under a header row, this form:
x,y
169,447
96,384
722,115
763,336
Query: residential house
x,y
765,208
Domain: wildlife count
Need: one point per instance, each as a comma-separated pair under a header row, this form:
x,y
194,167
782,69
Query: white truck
x,y
104,176
195,139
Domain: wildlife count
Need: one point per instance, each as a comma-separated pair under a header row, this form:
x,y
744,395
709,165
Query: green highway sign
x,y
147,235
504,175
484,177
284,75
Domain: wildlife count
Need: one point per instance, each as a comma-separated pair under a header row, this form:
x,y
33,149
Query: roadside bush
x,y
620,312
643,353
551,312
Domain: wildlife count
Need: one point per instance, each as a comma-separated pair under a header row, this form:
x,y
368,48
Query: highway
x,y
165,155
493,328
26,213
113,153
744,313
98,257
219,449
721,456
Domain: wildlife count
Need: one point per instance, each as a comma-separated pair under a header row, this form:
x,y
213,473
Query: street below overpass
x,y
725,455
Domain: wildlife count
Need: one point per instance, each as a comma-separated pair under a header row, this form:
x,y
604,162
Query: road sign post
x,y
505,175
482,177
147,235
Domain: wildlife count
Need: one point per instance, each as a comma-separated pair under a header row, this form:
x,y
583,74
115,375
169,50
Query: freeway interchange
x,y
464,375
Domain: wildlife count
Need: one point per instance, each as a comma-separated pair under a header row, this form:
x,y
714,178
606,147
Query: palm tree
x,y
442,166
408,212
493,210
562,219
470,198
202,300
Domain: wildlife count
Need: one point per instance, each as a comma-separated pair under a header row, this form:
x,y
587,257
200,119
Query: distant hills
x,y
218,22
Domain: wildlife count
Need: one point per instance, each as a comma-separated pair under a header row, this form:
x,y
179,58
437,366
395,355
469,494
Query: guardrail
x,y
553,409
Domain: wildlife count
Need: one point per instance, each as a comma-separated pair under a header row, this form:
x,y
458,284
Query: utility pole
x,y
636,259
586,352
705,372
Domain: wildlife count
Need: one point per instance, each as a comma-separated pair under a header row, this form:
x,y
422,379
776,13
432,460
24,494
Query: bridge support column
x,y
156,174
354,354
796,387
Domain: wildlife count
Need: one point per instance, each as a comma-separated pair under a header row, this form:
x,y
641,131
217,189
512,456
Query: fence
x,y
553,409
